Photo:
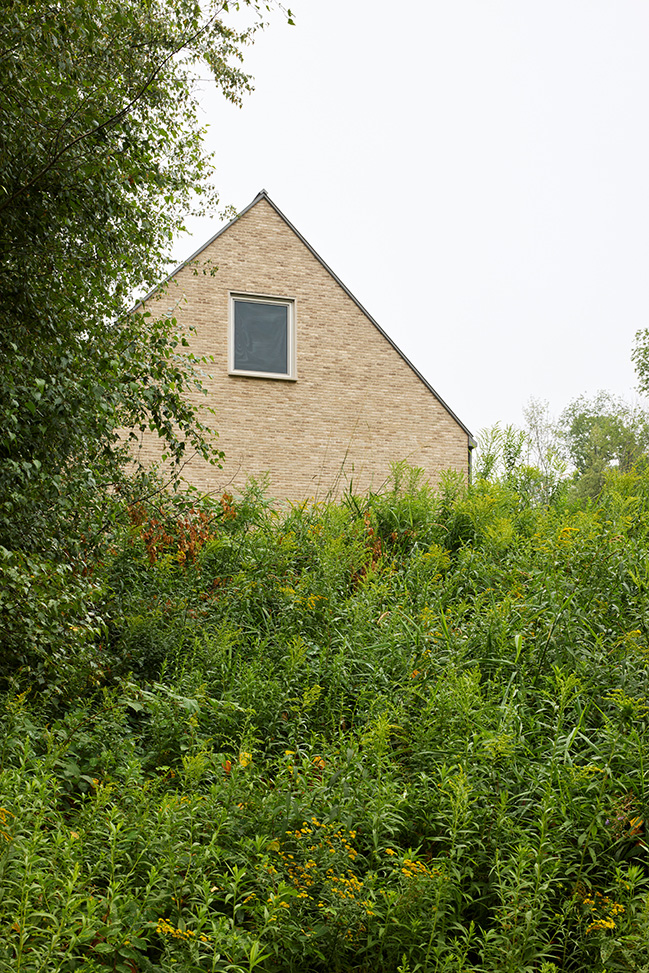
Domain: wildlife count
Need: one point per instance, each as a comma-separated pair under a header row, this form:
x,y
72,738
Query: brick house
x,y
307,388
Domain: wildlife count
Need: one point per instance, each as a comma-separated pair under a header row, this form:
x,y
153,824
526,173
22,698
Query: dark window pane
x,y
260,337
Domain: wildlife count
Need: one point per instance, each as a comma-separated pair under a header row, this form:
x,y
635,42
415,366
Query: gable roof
x,y
264,195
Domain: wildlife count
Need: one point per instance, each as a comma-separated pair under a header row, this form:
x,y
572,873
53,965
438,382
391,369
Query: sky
x,y
475,171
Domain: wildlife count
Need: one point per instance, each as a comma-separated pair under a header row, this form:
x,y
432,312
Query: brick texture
x,y
356,406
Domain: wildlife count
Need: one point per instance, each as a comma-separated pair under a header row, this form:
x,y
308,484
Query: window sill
x,y
275,377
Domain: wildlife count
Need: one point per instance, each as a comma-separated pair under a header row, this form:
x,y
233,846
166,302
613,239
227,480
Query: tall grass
x,y
403,732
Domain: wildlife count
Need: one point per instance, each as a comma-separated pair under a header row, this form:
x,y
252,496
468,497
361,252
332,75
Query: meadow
x,y
402,732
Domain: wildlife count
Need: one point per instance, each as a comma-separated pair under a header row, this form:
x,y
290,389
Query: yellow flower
x,y
244,758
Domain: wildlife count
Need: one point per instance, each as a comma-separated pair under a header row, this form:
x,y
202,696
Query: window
x,y
262,337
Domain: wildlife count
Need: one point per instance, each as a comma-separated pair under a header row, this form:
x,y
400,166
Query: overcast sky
x,y
475,171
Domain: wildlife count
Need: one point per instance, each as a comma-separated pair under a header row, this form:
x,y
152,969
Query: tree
x,y
640,358
603,433
545,448
101,158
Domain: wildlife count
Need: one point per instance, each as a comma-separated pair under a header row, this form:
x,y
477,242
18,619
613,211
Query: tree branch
x,y
118,116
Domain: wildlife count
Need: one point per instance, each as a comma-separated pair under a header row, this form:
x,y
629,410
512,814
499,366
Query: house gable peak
x,y
263,195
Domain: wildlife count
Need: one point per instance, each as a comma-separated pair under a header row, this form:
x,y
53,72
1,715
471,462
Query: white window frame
x,y
291,342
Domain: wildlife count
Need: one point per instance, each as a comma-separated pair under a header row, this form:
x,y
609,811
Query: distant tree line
x,y
574,452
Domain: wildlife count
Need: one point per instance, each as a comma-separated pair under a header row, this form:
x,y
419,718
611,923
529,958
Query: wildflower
x,y
244,758
599,924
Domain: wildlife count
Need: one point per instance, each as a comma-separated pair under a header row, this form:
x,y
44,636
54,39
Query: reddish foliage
x,y
183,537
375,548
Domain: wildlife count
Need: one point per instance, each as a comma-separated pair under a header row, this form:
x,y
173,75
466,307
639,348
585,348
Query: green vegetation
x,y
101,159
574,454
403,732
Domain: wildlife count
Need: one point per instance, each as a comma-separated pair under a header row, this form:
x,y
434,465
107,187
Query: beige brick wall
x,y
356,406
